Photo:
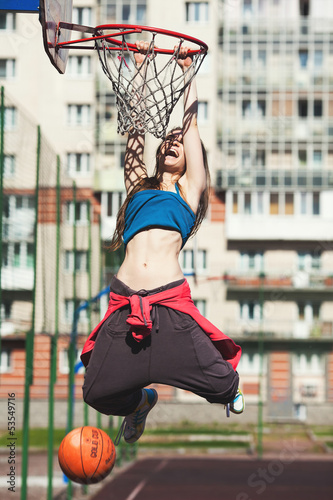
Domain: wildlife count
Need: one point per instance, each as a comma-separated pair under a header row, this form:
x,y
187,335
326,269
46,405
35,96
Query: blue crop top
x,y
153,208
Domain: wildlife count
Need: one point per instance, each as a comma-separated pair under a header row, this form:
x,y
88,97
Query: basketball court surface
x,y
173,478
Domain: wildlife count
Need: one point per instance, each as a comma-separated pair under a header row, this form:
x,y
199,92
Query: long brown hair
x,y
153,183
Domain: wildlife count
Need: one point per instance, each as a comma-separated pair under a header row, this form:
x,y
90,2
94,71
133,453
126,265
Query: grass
x,y
38,438
194,444
323,431
193,430
156,437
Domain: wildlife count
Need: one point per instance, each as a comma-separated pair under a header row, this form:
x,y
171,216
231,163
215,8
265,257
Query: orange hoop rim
x,y
128,29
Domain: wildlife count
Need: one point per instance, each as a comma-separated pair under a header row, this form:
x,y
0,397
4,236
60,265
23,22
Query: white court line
x,y
143,483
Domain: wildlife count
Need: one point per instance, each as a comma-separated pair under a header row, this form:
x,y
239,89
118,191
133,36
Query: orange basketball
x,y
86,455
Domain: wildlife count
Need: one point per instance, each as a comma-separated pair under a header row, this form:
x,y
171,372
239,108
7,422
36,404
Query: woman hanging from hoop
x,y
152,331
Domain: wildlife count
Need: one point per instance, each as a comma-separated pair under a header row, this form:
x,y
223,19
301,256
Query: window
x,y
197,12
317,159
81,212
247,7
252,261
260,158
317,108
260,202
202,111
70,310
117,149
7,21
246,108
289,204
249,363
82,15
246,158
304,203
304,7
262,58
274,204
247,203
315,204
308,261
261,108
302,157
303,58
249,310
141,11
7,68
114,202
235,203
81,261
107,106
254,110
30,255
22,207
19,254
9,166
64,361
10,118
79,66
79,114
6,361
201,305
318,58
132,11
6,310
308,364
78,163
302,108
247,57
194,261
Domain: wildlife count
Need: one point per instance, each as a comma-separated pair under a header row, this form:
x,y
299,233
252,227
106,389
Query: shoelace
x,y
120,432
125,423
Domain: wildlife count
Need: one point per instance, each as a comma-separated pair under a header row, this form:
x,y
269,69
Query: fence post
x,y
2,166
54,343
30,337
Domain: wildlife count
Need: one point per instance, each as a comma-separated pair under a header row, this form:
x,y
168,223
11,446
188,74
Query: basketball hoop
x,y
145,94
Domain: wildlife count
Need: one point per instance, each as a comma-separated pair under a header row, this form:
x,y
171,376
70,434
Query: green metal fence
x,y
51,265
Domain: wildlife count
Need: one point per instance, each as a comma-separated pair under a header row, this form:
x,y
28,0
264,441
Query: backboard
x,y
51,12
19,5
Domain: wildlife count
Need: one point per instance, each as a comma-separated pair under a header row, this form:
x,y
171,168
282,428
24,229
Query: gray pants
x,y
177,353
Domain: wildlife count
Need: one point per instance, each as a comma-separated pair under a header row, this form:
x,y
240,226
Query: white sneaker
x,y
238,404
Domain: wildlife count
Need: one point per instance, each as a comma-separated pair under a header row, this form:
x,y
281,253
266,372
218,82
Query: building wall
x,y
268,131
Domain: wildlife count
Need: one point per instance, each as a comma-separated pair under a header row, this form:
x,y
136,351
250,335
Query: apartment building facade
x,y
261,266
275,142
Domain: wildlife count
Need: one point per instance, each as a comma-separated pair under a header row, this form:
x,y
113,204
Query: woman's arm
x,y
195,169
134,166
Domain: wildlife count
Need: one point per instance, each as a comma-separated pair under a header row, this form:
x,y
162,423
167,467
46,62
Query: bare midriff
x,y
151,259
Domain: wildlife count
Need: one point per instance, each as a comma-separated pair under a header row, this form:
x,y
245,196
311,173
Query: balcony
x,y
274,179
278,227
271,330
296,280
17,278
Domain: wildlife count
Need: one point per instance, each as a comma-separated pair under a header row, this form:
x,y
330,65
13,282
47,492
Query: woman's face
x,y
172,155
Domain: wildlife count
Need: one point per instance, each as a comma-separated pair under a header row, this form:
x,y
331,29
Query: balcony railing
x,y
274,179
298,279
278,330
17,278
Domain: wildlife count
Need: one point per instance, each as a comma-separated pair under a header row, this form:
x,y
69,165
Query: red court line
x,y
174,478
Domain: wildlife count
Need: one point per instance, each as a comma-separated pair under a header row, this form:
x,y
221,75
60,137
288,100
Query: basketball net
x,y
147,93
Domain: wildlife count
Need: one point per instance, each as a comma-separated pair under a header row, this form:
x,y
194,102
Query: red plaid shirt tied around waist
x,y
140,322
